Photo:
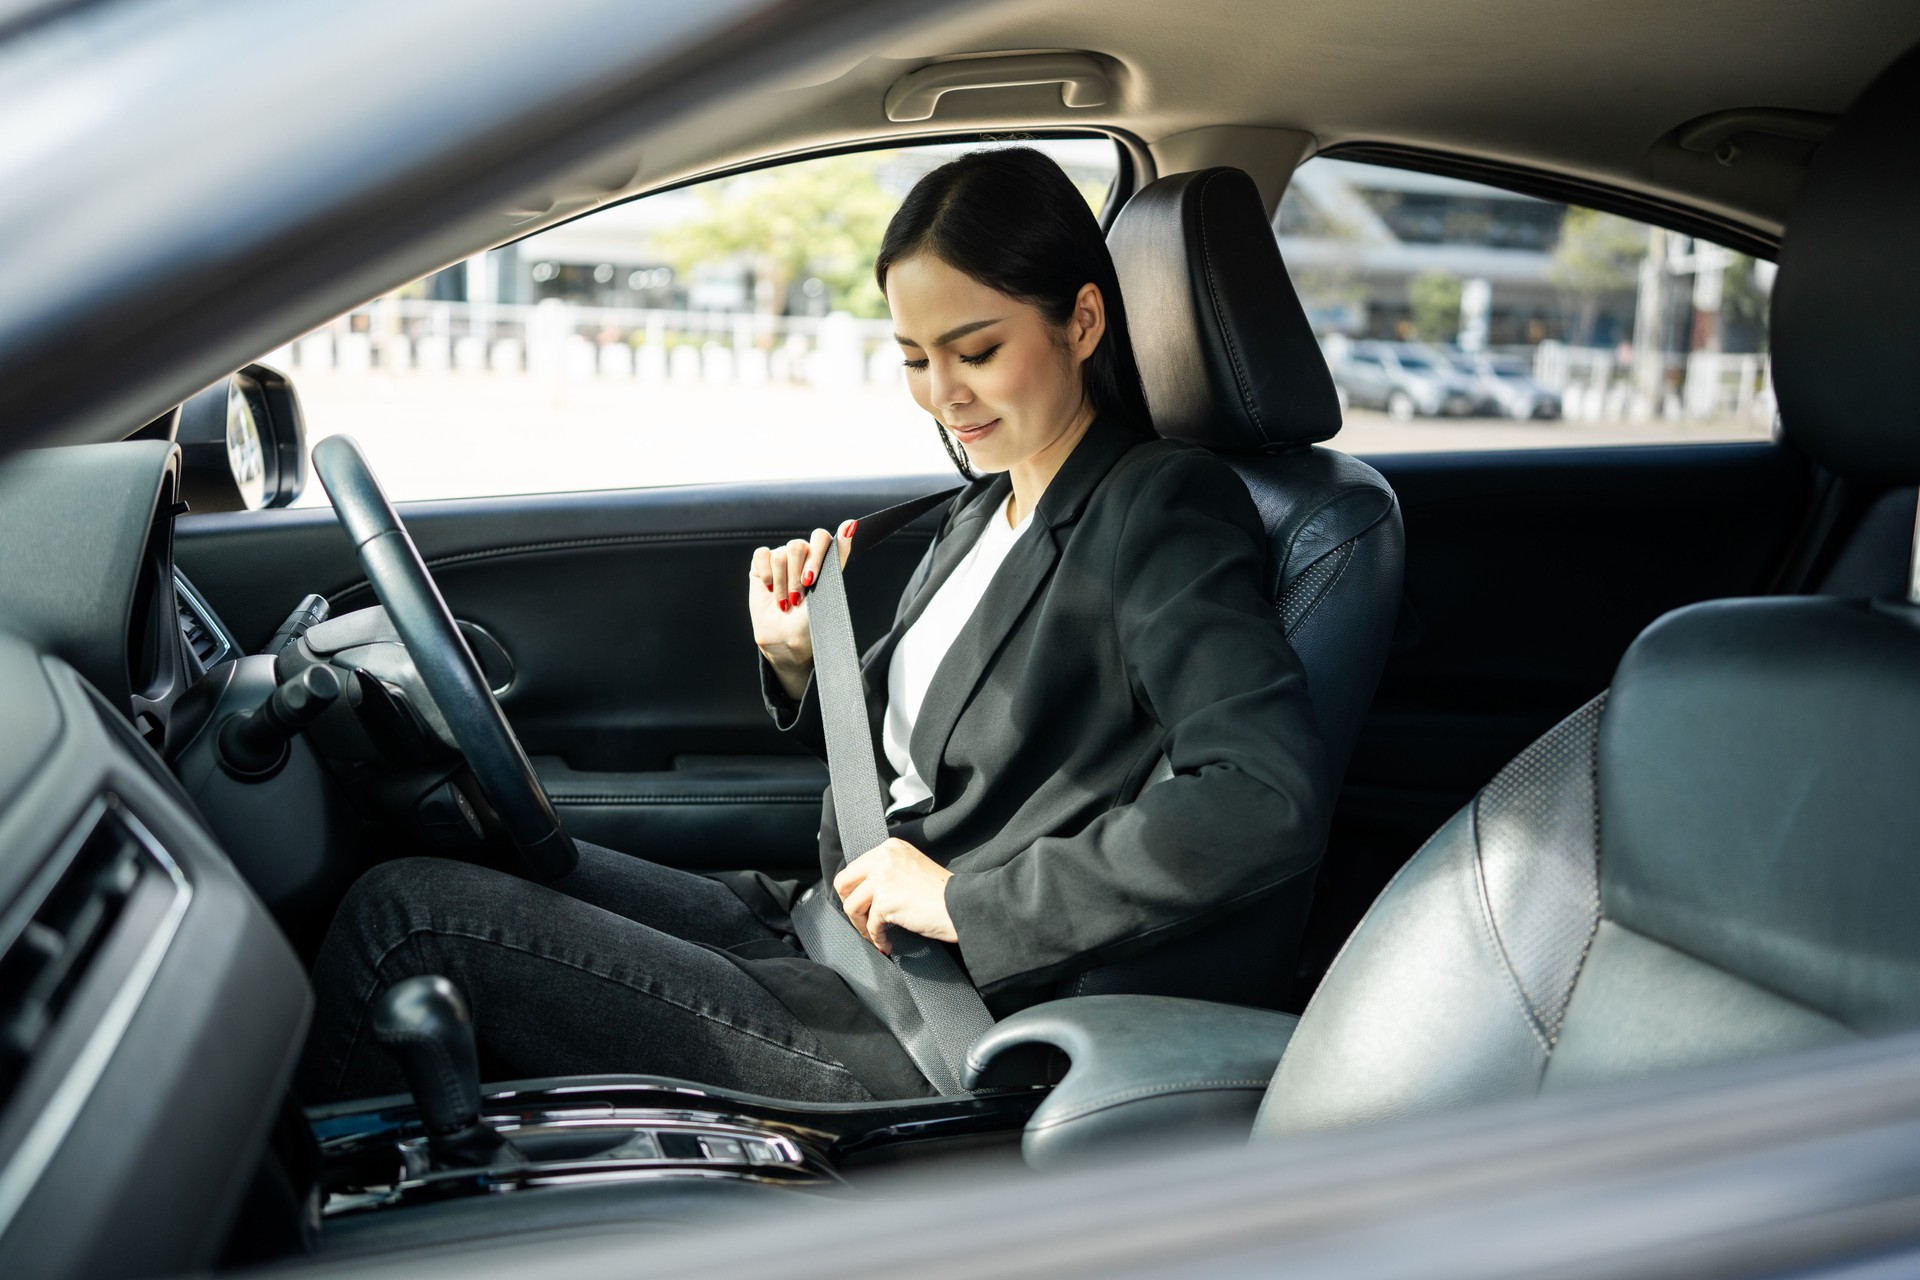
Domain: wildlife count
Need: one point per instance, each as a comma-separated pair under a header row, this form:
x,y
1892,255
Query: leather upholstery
x,y
1846,305
1230,362
1225,350
1716,865
1144,1067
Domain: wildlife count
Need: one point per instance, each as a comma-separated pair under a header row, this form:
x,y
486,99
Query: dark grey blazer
x,y
1126,623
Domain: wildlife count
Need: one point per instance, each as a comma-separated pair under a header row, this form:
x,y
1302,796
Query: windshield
x,y
1419,364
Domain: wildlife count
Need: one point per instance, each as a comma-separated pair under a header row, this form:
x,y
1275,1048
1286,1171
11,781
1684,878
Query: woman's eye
x,y
983,357
915,364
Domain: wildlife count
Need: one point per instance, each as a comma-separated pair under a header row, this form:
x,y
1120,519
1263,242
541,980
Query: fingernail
x,y
769,586
784,606
806,579
852,527
795,599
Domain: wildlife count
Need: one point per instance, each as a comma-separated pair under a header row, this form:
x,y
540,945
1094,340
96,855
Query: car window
x,y
1517,322
729,330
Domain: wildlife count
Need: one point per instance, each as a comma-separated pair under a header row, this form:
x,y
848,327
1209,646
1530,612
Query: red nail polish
x,y
769,586
852,527
806,579
783,606
795,598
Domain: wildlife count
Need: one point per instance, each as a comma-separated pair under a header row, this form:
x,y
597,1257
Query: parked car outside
x,y
1406,382
1507,381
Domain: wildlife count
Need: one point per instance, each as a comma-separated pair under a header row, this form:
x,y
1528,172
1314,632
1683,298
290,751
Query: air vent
x,y
205,641
50,949
78,949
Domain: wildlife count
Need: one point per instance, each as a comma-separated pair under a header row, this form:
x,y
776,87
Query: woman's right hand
x,y
775,602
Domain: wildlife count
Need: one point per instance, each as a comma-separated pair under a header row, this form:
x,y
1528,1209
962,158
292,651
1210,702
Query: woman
x,y
1090,605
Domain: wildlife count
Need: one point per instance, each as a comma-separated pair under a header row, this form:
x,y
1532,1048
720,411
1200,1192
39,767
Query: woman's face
x,y
1006,384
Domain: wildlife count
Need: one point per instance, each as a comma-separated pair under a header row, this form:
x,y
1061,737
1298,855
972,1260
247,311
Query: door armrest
x,y
1145,1070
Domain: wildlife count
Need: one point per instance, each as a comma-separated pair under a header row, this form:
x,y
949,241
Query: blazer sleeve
x,y
1247,805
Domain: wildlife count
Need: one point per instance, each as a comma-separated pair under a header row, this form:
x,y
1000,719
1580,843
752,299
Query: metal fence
x,y
1596,386
557,339
560,339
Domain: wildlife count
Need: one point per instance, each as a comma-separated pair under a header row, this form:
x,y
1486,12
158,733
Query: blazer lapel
x,y
950,548
1019,578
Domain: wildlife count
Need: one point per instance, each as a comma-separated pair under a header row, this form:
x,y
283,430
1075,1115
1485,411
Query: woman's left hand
x,y
896,884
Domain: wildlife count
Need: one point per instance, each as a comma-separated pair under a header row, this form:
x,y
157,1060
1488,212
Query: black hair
x,y
1011,219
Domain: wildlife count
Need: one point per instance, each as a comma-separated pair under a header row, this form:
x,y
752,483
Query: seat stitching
x,y
1534,1024
1327,590
1226,331
1593,928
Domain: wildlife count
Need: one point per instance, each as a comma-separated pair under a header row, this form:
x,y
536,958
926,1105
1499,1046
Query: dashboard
x,y
150,1007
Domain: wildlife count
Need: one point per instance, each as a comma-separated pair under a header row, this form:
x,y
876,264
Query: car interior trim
x,y
1545,184
56,1118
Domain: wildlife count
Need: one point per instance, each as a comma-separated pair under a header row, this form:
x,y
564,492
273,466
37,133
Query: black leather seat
x,y
1714,860
1230,363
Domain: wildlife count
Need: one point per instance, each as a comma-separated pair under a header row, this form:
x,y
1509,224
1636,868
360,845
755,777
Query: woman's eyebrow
x,y
951,335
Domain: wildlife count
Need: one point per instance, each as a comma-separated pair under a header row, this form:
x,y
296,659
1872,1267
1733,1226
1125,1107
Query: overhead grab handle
x,y
914,96
1709,133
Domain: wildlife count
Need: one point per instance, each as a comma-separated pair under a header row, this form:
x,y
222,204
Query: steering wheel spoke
x,y
453,677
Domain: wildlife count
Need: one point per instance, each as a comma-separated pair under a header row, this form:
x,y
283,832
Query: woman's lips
x,y
967,435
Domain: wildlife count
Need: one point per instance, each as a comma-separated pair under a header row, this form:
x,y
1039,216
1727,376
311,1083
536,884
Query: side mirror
x,y
243,443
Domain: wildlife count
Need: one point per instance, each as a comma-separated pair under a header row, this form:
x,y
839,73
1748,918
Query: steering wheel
x,y
447,666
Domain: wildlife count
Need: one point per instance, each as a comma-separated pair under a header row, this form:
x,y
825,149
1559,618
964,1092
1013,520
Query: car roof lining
x,y
1601,107
1501,82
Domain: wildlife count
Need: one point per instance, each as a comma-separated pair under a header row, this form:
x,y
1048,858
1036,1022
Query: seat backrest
x,y
1230,363
1717,859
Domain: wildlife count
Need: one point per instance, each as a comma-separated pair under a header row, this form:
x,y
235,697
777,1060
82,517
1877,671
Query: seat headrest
x,y
1846,304
1225,351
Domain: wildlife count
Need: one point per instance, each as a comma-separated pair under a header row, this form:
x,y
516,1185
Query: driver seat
x,y
1229,362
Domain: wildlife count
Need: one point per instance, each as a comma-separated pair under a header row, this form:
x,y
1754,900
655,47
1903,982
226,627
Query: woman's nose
x,y
950,392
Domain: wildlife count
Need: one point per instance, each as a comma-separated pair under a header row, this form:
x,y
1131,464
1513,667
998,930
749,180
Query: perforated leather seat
x,y
1230,363
1718,859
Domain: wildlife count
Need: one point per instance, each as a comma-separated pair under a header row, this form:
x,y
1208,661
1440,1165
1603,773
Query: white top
x,y
919,652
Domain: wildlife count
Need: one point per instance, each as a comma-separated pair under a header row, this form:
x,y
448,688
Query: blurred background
x,y
731,331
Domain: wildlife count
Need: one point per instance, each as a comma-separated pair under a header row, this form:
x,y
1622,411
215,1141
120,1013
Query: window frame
x,y
1546,184
1133,161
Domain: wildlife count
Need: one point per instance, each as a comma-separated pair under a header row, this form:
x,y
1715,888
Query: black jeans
x,y
597,972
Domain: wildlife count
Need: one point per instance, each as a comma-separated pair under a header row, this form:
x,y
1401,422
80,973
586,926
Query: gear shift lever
x,y
423,1023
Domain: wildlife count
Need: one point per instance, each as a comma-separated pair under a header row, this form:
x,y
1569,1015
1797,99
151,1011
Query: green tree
x,y
1434,299
1597,254
820,218
1743,306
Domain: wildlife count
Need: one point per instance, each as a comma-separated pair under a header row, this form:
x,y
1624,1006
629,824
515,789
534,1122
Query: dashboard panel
x,y
143,1075
150,1007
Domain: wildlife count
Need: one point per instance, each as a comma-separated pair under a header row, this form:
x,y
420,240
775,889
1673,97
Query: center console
x,y
453,1160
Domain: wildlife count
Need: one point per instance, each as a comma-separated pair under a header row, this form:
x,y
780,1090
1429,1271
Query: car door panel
x,y
624,618
1527,575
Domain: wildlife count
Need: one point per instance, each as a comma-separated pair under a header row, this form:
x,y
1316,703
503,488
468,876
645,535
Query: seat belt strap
x,y
921,994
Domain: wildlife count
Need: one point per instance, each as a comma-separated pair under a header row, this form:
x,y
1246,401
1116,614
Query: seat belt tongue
x,y
920,994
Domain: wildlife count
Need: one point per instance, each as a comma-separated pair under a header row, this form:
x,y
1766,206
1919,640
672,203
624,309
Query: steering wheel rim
x,y
453,677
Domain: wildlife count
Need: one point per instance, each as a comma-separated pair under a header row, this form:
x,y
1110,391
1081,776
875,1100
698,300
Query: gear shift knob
x,y
423,1023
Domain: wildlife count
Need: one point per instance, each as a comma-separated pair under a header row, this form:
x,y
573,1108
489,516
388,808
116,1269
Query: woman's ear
x,y
1088,323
